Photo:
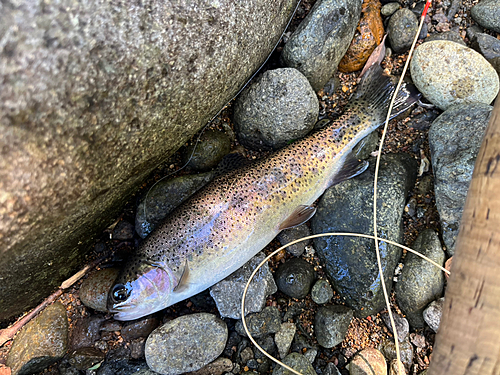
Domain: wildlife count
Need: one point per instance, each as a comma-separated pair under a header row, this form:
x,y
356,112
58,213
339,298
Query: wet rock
x,y
369,361
451,36
402,325
487,14
139,328
331,324
388,349
262,323
401,30
331,369
137,348
164,197
109,98
389,9
321,292
489,47
85,332
367,37
295,277
94,290
283,338
366,146
454,140
123,231
350,263
123,365
447,73
288,235
433,312
278,108
85,358
41,342
217,367
420,282
322,38
296,361
228,292
207,151
185,344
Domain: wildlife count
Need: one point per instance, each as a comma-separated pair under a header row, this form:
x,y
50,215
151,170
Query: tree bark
x,y
468,341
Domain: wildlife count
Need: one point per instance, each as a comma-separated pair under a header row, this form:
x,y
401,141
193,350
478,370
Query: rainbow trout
x,y
235,216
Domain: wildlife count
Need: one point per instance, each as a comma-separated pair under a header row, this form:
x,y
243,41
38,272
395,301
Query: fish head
x,y
141,290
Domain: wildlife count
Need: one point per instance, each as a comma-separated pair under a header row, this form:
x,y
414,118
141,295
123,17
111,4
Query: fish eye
x,y
120,293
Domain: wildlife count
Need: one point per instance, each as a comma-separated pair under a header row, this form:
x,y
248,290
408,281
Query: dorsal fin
x,y
351,168
299,216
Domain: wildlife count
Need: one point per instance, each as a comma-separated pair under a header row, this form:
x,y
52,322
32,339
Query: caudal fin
x,y
375,91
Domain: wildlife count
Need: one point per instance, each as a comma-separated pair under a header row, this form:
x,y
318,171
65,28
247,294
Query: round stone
x,y
186,344
448,73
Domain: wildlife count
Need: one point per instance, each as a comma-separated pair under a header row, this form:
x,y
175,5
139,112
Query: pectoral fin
x,y
299,216
184,280
351,168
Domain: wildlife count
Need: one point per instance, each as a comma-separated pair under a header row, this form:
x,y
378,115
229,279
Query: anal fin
x,y
351,168
299,216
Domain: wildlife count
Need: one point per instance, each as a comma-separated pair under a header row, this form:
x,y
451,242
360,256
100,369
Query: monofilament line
x,y
377,166
305,239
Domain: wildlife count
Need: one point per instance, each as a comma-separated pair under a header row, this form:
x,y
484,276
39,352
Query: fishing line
x,y
218,113
374,237
243,320
375,195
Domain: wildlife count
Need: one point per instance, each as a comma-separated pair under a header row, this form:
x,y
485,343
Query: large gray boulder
x,y
93,96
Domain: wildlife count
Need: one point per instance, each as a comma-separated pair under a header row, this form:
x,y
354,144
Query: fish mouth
x,y
120,308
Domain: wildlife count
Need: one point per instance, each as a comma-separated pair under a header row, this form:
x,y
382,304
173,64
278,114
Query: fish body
x,y
235,216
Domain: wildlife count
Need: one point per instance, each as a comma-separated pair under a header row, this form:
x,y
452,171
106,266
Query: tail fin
x,y
375,91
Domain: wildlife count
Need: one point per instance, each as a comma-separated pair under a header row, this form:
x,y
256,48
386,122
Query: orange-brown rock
x,y
368,35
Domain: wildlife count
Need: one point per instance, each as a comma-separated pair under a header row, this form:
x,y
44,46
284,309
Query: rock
x,y
85,332
115,366
278,108
85,358
420,282
94,289
401,30
164,197
217,367
288,235
350,263
303,344
296,361
321,40
447,73
123,231
397,368
185,344
433,312
388,349
487,14
402,326
283,338
389,9
94,96
369,361
321,292
228,292
139,328
489,47
207,150
246,355
331,324
295,277
454,140
41,342
367,37
137,348
262,323
366,146
451,36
